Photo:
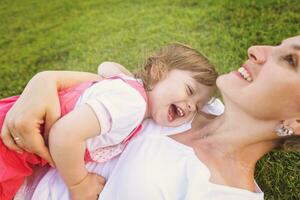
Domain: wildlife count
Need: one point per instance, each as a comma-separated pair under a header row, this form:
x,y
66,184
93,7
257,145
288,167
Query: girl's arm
x,y
38,104
107,69
67,141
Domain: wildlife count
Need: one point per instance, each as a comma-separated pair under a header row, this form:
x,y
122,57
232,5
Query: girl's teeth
x,y
180,112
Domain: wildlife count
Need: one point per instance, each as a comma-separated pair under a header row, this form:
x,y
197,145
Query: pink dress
x,y
15,167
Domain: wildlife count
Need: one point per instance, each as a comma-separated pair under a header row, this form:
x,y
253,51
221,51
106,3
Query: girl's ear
x,y
295,124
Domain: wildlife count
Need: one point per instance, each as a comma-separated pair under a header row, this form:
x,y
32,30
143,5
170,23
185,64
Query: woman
x,y
217,161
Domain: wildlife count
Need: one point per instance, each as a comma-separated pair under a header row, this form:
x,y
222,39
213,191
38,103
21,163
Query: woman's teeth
x,y
244,73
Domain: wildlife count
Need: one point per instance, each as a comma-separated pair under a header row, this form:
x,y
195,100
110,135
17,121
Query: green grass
x,y
42,35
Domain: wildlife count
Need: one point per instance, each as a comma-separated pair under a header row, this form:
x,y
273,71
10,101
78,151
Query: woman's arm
x,y
66,79
38,104
67,141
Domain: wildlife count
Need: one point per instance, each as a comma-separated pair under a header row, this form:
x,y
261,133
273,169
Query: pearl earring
x,y
283,130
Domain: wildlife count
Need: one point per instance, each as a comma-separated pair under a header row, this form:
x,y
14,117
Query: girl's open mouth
x,y
175,112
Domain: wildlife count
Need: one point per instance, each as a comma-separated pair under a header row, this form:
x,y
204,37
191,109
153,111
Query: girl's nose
x,y
258,54
191,106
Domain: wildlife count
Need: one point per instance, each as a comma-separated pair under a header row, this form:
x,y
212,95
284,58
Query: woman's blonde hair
x,y
176,56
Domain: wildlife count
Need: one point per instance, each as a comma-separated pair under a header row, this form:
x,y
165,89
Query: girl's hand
x,y
107,69
88,189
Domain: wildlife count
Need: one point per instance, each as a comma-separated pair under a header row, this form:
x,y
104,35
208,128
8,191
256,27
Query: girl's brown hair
x,y
177,56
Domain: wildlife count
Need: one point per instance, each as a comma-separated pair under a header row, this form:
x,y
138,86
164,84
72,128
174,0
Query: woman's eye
x,y
290,60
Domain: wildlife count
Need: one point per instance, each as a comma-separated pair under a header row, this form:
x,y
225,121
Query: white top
x,y
152,167
214,107
119,107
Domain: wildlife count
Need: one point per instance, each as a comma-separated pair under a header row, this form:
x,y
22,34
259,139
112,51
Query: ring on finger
x,y
17,139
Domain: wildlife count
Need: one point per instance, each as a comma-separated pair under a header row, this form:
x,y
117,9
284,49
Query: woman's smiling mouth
x,y
245,74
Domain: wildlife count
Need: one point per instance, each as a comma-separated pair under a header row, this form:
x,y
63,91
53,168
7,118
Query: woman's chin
x,y
224,84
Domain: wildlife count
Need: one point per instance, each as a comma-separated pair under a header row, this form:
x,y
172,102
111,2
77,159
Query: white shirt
x,y
157,167
152,167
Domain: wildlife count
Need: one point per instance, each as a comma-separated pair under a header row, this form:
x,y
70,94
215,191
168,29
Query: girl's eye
x,y
290,60
189,90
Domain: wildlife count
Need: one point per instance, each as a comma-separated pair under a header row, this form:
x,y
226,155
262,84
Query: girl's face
x,y
268,83
176,99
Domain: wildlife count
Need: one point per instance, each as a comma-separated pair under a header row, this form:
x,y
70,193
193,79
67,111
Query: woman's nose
x,y
258,54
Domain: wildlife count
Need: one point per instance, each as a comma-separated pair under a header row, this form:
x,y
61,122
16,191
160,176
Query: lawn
x,y
37,35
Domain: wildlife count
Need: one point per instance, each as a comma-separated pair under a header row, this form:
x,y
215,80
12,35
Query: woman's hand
x,y
88,189
37,105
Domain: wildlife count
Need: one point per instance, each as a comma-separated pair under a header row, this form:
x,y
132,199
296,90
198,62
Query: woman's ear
x,y
294,124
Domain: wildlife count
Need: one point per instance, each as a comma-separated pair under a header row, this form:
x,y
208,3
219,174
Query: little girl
x,y
100,118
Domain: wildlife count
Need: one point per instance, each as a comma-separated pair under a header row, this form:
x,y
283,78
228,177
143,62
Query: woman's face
x,y
268,84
